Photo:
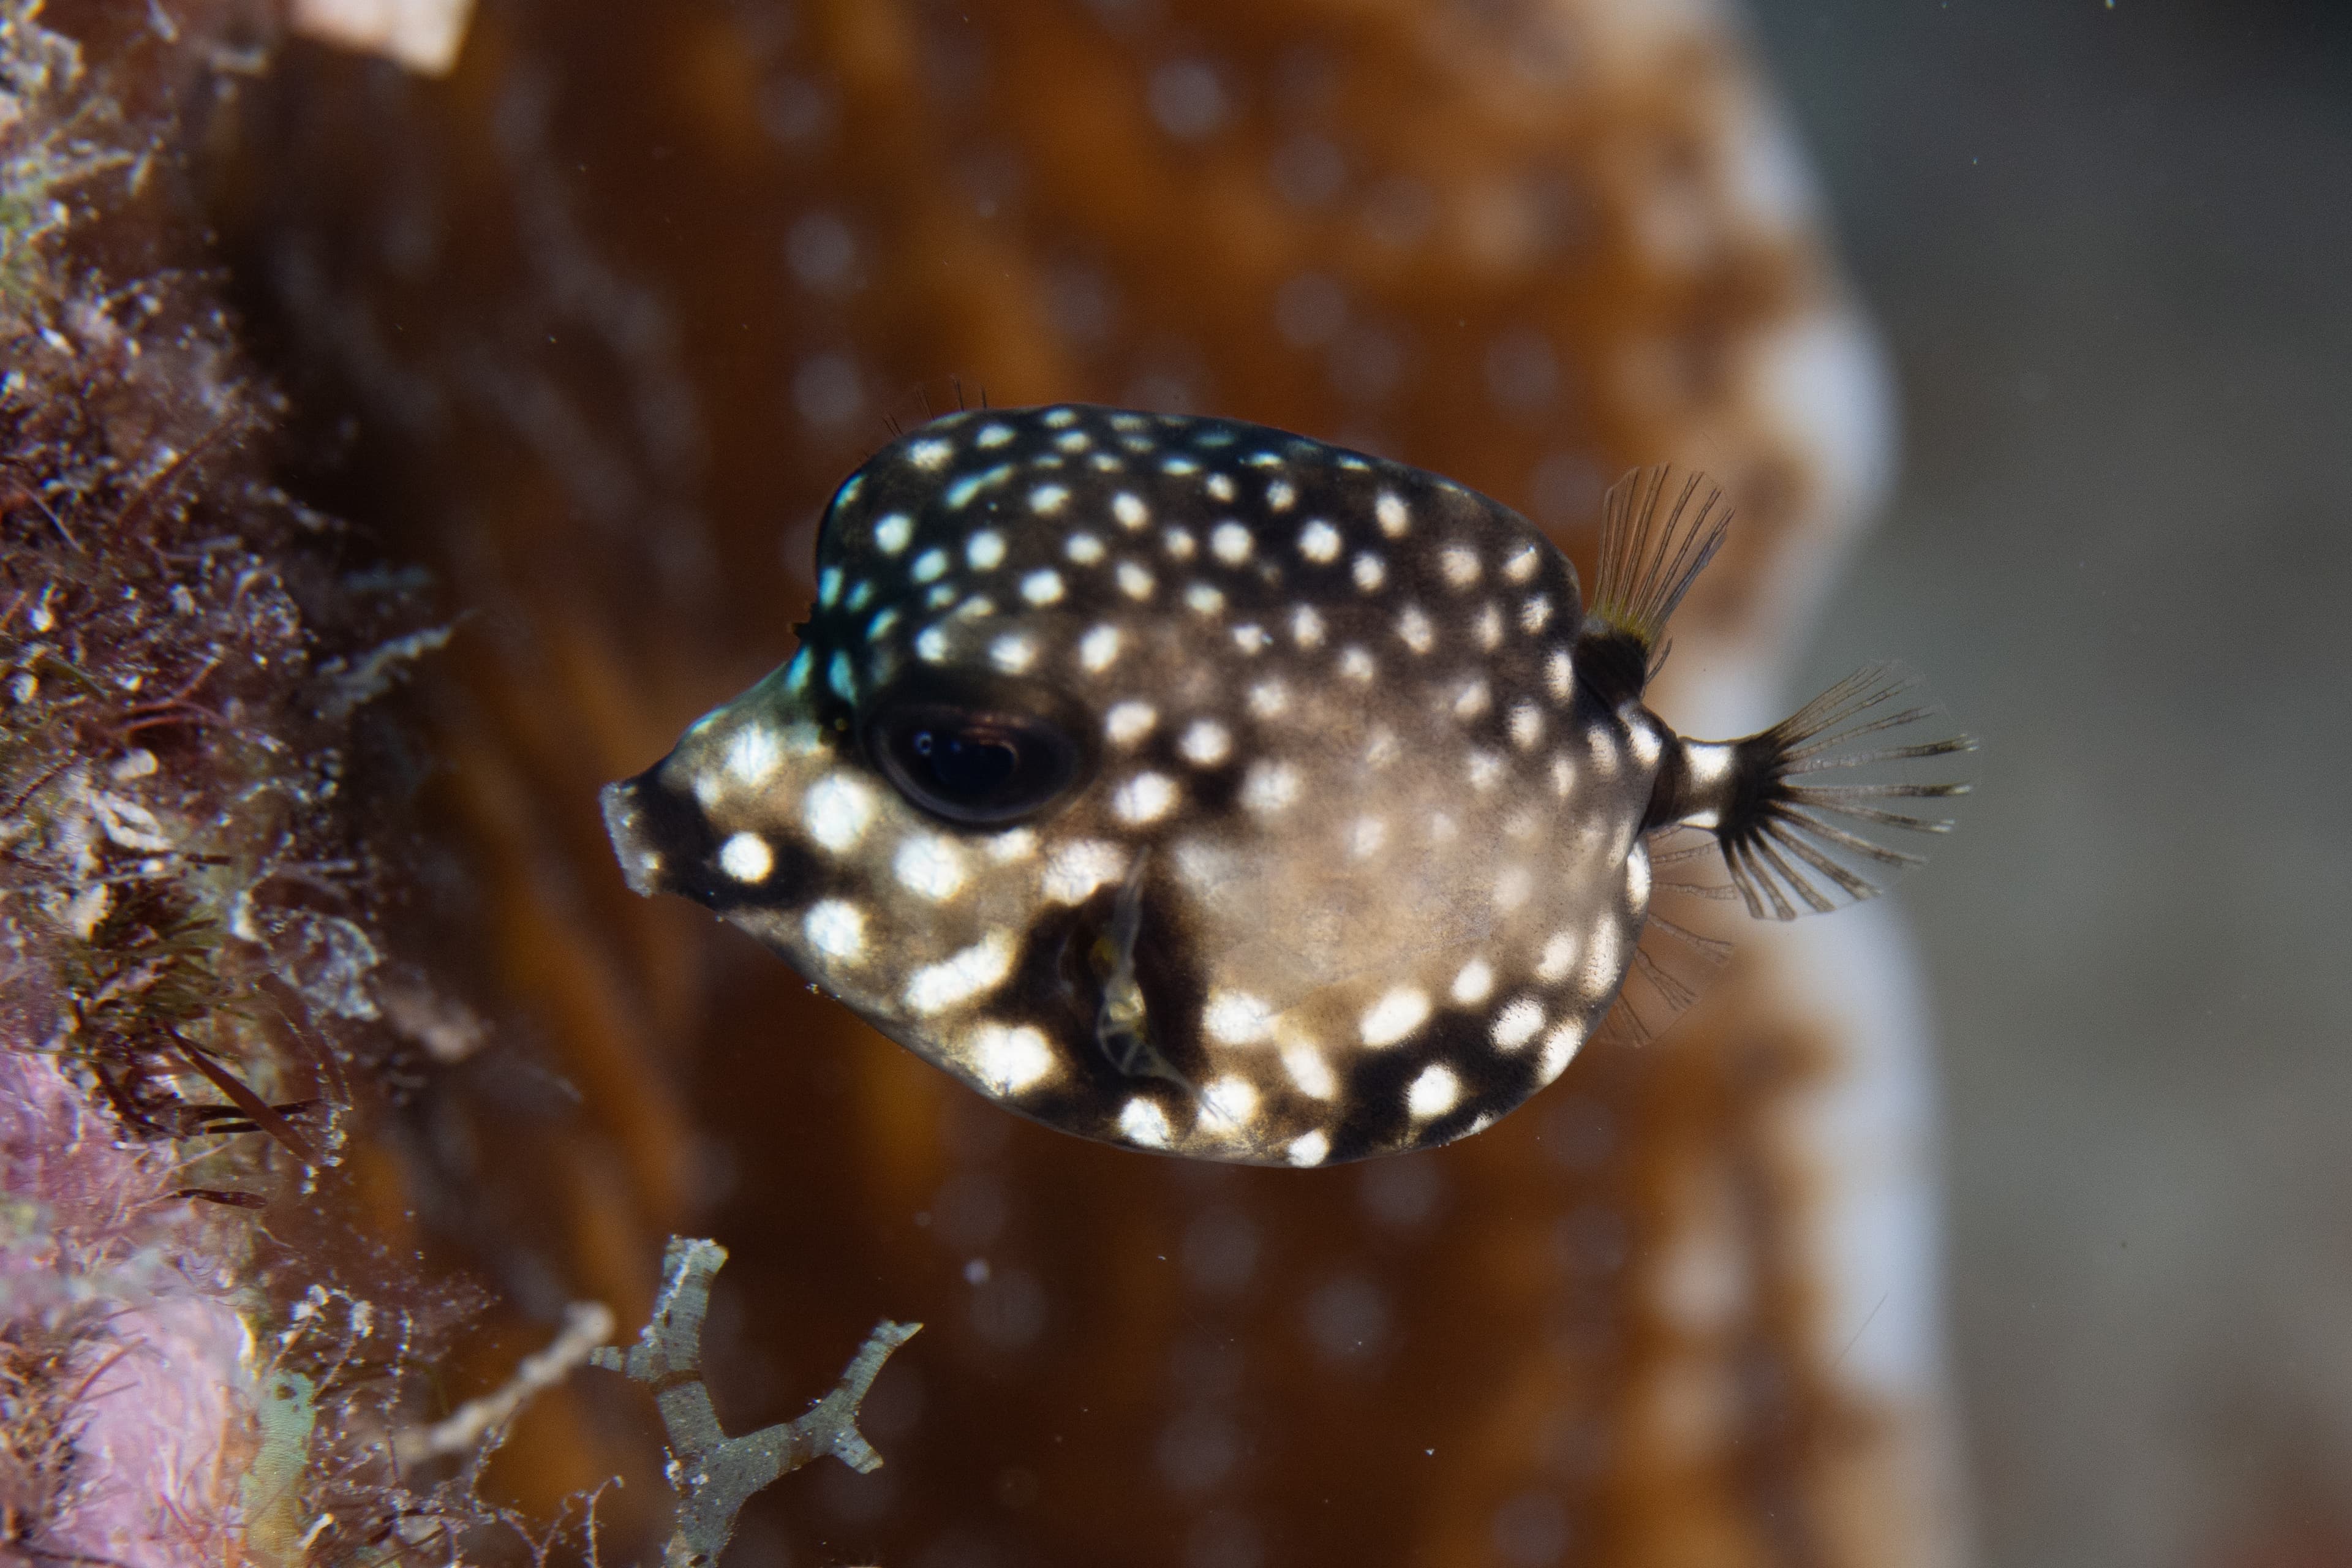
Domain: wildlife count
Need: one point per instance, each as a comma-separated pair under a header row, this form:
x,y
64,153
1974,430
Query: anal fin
x,y
1678,955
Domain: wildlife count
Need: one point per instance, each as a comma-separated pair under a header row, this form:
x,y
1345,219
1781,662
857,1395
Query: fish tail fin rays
x,y
1659,529
1829,805
1678,955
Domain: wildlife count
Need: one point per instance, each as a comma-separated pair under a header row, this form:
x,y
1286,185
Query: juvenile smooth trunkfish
x,y
1198,788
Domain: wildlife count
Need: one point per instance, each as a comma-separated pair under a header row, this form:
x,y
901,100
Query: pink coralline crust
x,y
156,1398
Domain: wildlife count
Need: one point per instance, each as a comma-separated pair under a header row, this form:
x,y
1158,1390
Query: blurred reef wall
x,y
592,327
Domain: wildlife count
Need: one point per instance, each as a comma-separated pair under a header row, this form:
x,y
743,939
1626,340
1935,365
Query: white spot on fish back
x,y
1083,549
1471,698
838,675
992,436
1127,723
1396,1015
1643,740
1251,639
836,928
1219,486
1390,512
1268,699
1603,746
1013,652
1098,649
1485,769
984,551
1518,1024
1046,499
1520,564
1269,788
1228,1102
1180,466
1559,956
1280,496
1460,565
1527,726
1134,581
1074,441
1306,627
1413,627
929,866
929,565
1206,742
1601,955
1513,884
1369,572
1383,748
1140,1121
1009,1060
1130,512
1307,1149
936,987
1179,543
1637,878
1236,1018
1436,1091
1230,542
1536,613
835,811
1487,628
1042,587
1309,1071
1074,871
1473,983
747,858
1563,774
828,586
753,754
1365,836
1356,664
1205,599
929,454
930,645
1558,1050
1146,797
1320,542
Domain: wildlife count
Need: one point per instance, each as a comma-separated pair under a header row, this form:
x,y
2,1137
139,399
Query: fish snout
x,y
649,825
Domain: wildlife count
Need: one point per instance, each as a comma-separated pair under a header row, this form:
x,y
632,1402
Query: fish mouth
x,y
661,838
629,824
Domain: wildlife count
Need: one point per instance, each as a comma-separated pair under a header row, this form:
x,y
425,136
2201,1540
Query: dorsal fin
x,y
1658,531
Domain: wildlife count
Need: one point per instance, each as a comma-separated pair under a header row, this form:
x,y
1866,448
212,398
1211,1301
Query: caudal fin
x,y
1814,812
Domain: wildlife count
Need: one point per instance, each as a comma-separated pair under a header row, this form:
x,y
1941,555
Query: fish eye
x,y
977,764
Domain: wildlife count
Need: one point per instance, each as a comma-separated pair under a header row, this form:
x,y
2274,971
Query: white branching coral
x,y
713,1474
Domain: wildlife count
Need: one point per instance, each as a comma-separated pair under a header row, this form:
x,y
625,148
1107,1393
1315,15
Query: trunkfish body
x,y
1195,786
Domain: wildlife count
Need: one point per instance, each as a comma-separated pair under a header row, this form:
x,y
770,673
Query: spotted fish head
x,y
1180,783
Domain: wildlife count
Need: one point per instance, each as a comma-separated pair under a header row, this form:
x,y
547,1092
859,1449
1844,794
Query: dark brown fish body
x,y
1195,786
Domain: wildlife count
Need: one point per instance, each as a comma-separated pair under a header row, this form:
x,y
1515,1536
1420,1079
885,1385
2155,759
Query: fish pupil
x,y
972,766
974,763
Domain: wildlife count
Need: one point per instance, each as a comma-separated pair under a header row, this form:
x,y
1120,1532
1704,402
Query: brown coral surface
x,y
593,326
